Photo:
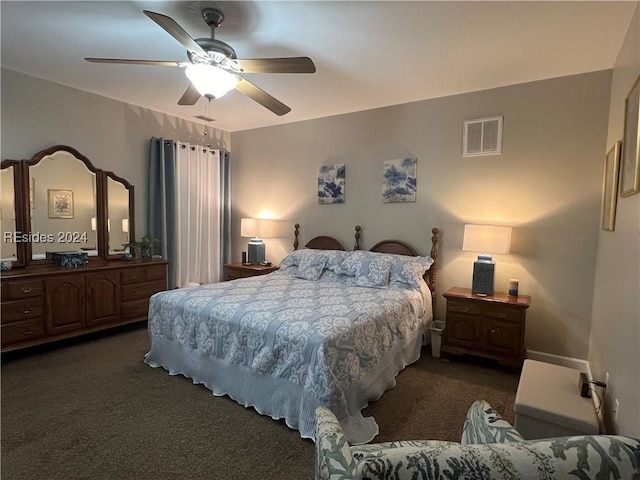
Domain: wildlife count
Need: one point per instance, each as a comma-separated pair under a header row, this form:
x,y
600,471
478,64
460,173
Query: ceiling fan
x,y
213,67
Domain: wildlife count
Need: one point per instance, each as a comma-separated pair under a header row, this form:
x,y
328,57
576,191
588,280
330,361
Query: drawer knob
x,y
464,309
494,330
502,315
26,311
27,331
25,289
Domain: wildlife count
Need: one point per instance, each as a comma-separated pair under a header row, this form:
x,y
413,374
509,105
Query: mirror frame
x,y
19,208
132,229
23,204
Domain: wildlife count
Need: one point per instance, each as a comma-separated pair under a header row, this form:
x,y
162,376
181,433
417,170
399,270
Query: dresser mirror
x,y
62,203
63,194
119,214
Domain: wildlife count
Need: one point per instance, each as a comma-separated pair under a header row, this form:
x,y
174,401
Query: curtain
x,y
161,202
203,214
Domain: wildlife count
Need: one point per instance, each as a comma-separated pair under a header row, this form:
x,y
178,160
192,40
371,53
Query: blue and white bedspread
x,y
286,345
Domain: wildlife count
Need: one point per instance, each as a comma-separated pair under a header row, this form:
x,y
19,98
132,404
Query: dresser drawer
x,y
157,272
135,309
133,275
22,331
145,290
462,306
503,313
22,310
28,288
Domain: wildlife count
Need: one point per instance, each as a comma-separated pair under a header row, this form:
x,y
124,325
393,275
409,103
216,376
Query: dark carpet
x,y
91,409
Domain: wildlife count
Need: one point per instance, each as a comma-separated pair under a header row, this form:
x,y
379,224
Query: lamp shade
x,y
211,81
256,227
486,239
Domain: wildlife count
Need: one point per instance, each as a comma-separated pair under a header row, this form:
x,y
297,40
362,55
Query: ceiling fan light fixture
x,y
210,80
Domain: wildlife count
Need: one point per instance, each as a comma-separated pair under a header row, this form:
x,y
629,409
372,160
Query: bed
x,y
325,329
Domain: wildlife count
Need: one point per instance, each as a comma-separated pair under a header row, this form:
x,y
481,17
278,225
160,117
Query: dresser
x,y
491,326
44,303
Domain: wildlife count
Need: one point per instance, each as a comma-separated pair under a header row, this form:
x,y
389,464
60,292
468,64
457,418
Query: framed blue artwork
x,y
399,180
331,184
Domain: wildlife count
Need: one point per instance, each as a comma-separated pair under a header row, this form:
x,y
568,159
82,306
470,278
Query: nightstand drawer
x,y
503,313
463,306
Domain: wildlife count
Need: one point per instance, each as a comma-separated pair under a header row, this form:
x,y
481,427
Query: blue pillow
x,y
311,266
409,270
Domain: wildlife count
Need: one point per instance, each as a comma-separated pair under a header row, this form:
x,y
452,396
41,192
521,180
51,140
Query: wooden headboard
x,y
323,242
399,247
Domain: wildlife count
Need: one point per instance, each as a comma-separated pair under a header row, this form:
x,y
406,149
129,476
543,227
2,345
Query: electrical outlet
x,y
616,409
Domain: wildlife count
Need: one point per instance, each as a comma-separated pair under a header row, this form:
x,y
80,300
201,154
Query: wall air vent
x,y
206,119
482,136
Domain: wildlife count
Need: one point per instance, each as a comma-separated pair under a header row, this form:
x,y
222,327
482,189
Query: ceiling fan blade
x,y
278,65
176,31
190,96
161,63
262,97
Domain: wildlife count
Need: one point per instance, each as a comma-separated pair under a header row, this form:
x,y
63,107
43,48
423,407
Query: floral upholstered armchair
x,y
490,449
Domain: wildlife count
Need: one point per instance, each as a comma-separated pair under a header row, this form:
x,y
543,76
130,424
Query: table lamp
x,y
487,239
257,228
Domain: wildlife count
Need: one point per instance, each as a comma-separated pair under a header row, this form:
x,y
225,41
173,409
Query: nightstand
x,y
490,326
244,270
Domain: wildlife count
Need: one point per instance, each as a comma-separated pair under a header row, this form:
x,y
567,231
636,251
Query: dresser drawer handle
x,y
502,315
494,330
133,277
26,311
25,290
464,309
27,331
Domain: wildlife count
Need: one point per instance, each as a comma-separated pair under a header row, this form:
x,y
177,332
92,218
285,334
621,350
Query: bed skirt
x,y
279,398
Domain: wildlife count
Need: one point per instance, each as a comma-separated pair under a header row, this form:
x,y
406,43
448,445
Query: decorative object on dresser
x,y
258,228
487,239
241,270
42,301
489,326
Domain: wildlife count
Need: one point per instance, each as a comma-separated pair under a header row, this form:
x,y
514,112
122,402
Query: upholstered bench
x,y
548,403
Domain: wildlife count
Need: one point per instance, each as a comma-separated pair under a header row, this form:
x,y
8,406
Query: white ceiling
x,y
367,54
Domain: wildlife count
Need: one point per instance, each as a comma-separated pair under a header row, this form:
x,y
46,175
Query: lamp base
x,y
483,273
256,253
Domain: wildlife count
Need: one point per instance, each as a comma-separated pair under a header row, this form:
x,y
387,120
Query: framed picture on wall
x,y
60,203
610,188
331,184
630,182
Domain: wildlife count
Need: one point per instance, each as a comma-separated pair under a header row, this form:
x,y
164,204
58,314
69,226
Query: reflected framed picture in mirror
x,y
60,203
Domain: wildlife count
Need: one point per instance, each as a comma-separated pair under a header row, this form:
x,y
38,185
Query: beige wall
x,y
615,332
37,114
546,184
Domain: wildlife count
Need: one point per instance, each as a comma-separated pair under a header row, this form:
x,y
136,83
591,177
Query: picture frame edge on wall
x,y
610,187
630,167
